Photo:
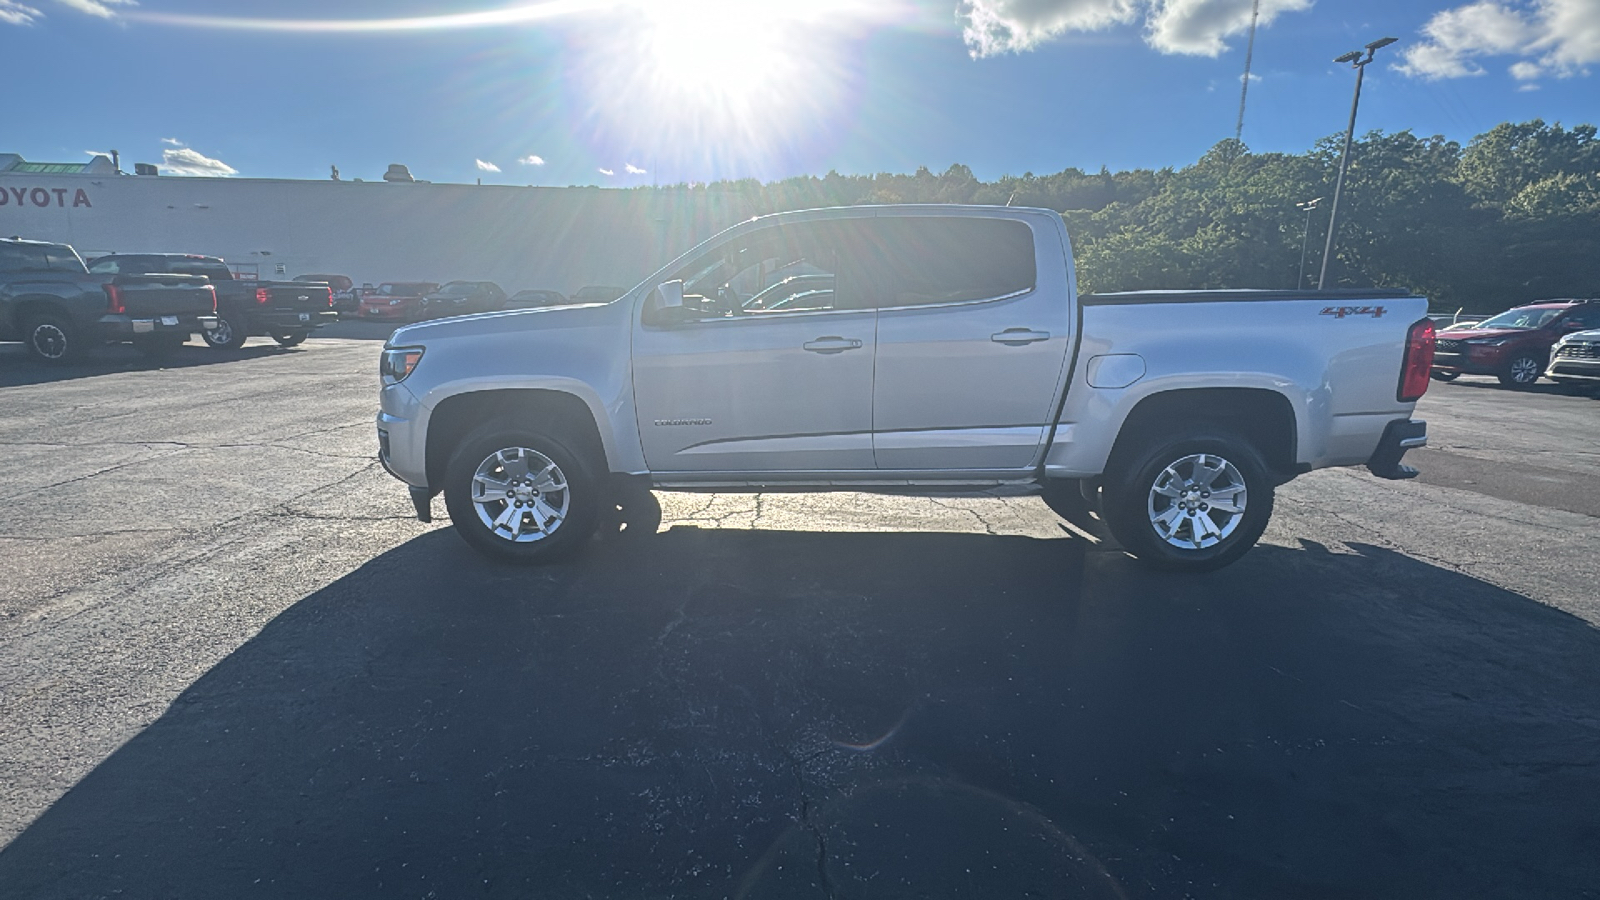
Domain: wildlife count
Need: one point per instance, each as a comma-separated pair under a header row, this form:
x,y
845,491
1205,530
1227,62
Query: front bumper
x,y
1575,369
1398,437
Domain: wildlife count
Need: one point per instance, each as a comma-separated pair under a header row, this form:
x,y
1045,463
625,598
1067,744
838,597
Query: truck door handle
x,y
831,344
1016,337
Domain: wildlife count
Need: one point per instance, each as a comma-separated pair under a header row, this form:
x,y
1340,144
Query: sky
x,y
622,93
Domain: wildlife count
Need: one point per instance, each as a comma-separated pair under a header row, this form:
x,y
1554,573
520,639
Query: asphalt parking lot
x,y
232,665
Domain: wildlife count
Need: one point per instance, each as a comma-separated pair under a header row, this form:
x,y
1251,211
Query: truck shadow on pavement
x,y
728,713
18,369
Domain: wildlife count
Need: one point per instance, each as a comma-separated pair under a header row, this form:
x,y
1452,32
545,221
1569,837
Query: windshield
x,y
1528,317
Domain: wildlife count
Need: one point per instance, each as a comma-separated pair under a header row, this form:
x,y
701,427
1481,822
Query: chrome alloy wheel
x,y
1197,501
48,340
1525,370
222,334
520,495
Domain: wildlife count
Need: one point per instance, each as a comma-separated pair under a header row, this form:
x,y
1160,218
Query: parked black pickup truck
x,y
285,311
50,301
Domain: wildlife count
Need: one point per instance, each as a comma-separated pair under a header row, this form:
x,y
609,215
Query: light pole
x,y
1355,58
1305,236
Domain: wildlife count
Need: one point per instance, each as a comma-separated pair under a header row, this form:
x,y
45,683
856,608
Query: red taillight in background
x,y
114,302
330,298
213,292
1418,363
263,296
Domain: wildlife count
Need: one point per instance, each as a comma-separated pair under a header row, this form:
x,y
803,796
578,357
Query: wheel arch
x,y
1265,418
33,304
553,410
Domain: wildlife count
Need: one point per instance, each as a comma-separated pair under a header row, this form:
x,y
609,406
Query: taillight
x,y
330,298
114,302
263,296
213,292
1418,363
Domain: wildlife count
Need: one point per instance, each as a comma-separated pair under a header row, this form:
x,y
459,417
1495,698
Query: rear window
x,y
39,258
917,260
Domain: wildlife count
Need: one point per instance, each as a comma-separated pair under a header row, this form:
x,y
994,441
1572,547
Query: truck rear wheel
x,y
52,338
1196,501
229,333
291,339
521,496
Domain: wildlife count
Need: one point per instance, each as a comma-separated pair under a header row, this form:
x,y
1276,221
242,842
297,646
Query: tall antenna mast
x,y
1249,54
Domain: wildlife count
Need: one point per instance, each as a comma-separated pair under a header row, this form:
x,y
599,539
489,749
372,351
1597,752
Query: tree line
x,y
1513,216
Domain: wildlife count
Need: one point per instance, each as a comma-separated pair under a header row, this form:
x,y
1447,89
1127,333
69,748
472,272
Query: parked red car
x,y
396,301
1513,346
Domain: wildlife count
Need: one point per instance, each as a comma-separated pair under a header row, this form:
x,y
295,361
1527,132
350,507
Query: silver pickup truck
x,y
907,349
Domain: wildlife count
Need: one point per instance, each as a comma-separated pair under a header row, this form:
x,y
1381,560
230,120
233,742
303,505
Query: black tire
x,y
1522,371
633,514
1131,505
583,497
52,338
160,346
1444,376
293,339
231,332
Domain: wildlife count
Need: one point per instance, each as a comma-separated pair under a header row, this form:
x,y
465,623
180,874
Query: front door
x,y
768,386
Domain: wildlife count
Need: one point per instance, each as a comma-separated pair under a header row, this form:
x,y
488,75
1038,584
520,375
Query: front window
x,y
784,268
1526,318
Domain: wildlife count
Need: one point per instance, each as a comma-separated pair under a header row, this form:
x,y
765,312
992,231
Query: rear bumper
x,y
123,327
1398,437
275,321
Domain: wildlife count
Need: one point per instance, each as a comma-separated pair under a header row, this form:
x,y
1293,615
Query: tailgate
x,y
297,296
149,296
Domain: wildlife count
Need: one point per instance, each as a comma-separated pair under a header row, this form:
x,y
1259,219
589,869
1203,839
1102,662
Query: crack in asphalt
x,y
987,526
807,819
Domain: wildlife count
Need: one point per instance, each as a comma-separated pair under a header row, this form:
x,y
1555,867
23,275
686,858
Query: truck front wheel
x,y
521,496
1194,502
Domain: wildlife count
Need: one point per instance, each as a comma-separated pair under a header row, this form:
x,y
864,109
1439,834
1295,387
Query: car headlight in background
x,y
398,362
1489,343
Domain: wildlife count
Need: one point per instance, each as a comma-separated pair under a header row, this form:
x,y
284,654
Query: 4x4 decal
x,y
1339,312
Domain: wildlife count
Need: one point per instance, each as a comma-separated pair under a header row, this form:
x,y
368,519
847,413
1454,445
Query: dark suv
x,y
460,298
1513,346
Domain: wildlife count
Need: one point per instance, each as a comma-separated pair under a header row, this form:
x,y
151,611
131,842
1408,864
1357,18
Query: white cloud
x,y
173,141
606,171
1198,27
632,169
14,13
101,8
486,166
532,160
185,161
1193,27
1550,38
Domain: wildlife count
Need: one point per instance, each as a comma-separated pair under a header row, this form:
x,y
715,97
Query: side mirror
x,y
665,305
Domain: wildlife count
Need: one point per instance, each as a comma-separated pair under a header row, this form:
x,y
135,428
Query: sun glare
x,y
728,53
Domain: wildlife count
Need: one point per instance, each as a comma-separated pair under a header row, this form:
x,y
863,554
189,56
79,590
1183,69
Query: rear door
x,y
740,391
973,331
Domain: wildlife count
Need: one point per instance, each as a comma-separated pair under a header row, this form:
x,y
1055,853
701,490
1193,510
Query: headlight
x,y
1489,343
398,362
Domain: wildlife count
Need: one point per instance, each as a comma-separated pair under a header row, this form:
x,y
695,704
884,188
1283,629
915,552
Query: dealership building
x,y
395,229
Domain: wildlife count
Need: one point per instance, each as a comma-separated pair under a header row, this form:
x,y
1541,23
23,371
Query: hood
x,y
1473,334
1592,336
539,318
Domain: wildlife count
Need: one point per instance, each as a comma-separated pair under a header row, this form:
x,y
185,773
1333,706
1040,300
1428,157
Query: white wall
x,y
520,237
